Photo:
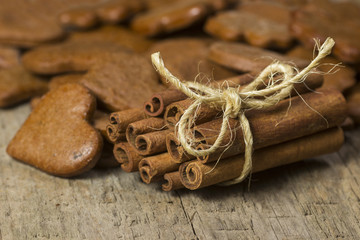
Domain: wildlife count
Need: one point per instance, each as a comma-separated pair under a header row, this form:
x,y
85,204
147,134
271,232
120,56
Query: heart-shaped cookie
x,y
57,137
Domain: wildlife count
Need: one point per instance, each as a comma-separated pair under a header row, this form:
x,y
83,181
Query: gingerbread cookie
x,y
150,4
67,57
81,50
114,11
17,85
57,137
246,58
186,58
60,80
338,20
29,23
261,24
56,82
175,16
119,10
353,102
9,57
121,81
81,18
341,78
114,35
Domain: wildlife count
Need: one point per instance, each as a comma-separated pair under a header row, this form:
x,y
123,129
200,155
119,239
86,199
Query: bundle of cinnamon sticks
x,y
302,126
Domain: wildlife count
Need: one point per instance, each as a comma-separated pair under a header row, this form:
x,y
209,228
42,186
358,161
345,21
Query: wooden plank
x,y
314,199
104,204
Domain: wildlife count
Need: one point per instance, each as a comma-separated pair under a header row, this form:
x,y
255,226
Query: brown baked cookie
x,y
150,4
337,20
34,101
80,51
114,35
29,23
353,103
67,57
121,81
341,79
60,80
293,4
175,16
261,24
114,11
17,85
186,58
57,137
245,58
56,82
78,18
9,57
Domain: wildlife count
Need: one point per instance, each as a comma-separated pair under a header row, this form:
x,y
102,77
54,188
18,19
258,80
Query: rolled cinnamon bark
x,y
176,151
172,182
205,113
159,101
151,143
156,106
153,168
126,155
311,113
312,82
143,126
119,121
175,110
196,175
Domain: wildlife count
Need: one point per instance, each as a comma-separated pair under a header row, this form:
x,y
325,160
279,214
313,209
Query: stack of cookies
x,y
79,61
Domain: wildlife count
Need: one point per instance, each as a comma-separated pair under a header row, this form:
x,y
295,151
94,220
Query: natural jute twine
x,y
234,101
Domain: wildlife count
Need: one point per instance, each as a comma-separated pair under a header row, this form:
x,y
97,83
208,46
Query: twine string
x,y
234,102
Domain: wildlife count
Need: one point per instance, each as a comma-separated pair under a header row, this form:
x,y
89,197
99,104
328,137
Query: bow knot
x,y
233,102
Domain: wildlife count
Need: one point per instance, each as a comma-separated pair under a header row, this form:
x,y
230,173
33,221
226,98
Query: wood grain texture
x,y
314,199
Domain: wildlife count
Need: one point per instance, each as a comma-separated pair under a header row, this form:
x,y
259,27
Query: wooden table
x,y
314,199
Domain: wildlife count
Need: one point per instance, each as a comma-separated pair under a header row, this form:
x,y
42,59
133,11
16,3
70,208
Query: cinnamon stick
x,y
151,143
277,124
159,101
196,175
175,110
126,155
176,151
143,126
205,113
153,168
156,106
119,122
172,181
312,81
